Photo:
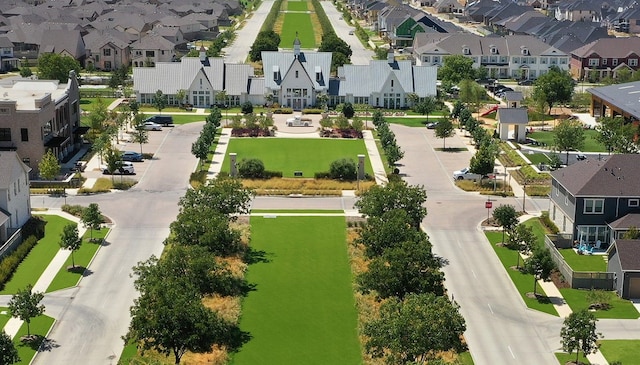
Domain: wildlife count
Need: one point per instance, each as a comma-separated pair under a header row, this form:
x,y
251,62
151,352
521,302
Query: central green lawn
x,y
591,143
413,122
300,24
38,259
297,6
624,351
583,262
523,282
291,154
620,308
184,119
82,258
302,309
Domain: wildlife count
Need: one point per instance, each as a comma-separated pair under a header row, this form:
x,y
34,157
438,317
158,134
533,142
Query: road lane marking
x,y
474,273
509,347
490,309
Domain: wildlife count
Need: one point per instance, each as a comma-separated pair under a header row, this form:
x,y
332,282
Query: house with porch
x,y
590,197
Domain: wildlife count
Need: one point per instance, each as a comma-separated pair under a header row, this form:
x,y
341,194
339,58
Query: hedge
x,y
10,263
270,20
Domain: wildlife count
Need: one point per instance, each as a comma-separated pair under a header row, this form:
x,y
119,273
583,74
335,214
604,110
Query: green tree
x,y
387,231
112,159
426,106
70,240
266,40
25,72
395,195
414,330
343,169
521,239
342,122
632,234
540,265
49,166
483,162
454,69
578,333
8,351
381,53
180,95
251,168
200,149
553,87
407,268
340,49
224,195
623,75
394,153
139,134
347,110
616,135
91,218
52,66
159,101
357,124
25,305
326,123
444,130
569,135
507,218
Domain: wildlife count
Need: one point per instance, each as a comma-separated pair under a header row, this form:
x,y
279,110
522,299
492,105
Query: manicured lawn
x,y
302,309
538,230
591,144
624,351
82,258
88,104
300,24
465,358
39,326
290,154
564,357
184,119
306,211
523,282
38,259
620,308
150,109
583,262
538,158
4,318
413,122
297,6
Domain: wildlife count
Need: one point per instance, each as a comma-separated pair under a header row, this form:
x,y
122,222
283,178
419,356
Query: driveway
x,y
91,318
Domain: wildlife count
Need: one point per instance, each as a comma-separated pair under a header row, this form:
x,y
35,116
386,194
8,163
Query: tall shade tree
x,y
387,231
507,218
112,159
540,265
578,333
91,218
70,240
555,86
49,166
224,195
426,106
25,305
8,352
266,40
408,268
455,69
139,134
415,330
52,66
617,135
522,240
569,135
159,101
484,161
444,130
180,95
395,195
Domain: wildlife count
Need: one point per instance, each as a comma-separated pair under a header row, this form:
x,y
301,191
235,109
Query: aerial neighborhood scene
x,y
328,182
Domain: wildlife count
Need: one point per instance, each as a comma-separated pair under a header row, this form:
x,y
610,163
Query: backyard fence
x,y
11,244
577,279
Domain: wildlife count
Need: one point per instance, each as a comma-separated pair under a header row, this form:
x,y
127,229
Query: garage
x,y
624,262
634,288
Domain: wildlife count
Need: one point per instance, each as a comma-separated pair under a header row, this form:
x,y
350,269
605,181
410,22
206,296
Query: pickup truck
x,y
466,174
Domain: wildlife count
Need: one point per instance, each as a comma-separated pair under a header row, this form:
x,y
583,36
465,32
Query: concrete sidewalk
x,y
218,155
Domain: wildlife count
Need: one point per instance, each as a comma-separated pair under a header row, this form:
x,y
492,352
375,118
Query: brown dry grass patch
x,y
315,21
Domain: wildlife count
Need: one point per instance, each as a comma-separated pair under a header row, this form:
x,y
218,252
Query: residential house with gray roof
x,y
624,260
605,58
516,56
108,49
151,49
8,61
64,43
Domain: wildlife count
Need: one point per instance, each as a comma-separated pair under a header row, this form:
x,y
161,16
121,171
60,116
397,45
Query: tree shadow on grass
x,y
451,149
253,256
33,341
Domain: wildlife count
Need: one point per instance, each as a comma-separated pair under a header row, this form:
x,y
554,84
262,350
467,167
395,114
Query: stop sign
x,y
488,205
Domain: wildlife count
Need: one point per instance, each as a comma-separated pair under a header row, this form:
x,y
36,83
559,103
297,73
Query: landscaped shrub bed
x,y
548,223
253,132
341,133
510,158
282,110
10,263
312,111
286,186
531,176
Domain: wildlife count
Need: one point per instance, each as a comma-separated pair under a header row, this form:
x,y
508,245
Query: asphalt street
x,y
360,55
237,51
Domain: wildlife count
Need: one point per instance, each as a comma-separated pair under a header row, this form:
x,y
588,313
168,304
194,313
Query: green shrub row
x,y
528,174
10,263
325,24
270,20
77,210
283,111
546,220
34,227
510,157
312,111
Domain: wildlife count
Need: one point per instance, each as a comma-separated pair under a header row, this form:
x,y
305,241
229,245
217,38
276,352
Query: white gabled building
x,y
294,79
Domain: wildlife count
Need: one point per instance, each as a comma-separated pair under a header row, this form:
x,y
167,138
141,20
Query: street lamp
x,y
524,195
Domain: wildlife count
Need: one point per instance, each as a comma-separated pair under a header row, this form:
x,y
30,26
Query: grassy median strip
x,y
38,259
564,358
68,278
302,308
297,25
294,211
620,308
624,351
523,282
4,316
27,350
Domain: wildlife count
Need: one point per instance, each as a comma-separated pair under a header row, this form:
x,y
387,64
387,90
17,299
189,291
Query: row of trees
x,y
415,322
387,139
483,162
169,316
200,148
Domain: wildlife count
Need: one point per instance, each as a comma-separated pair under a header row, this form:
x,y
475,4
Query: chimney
x,y
390,57
203,54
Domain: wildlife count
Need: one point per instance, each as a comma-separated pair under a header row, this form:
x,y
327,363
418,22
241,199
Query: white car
x,y
124,168
151,126
466,174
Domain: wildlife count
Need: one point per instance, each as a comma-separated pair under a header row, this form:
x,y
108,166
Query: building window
x,y
604,61
296,74
593,206
556,190
426,59
106,52
5,134
633,202
391,83
4,110
614,62
543,60
594,61
563,61
633,62
24,133
150,53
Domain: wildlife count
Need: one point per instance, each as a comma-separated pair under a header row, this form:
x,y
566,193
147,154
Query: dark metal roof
x,y
55,142
624,96
513,115
629,254
628,221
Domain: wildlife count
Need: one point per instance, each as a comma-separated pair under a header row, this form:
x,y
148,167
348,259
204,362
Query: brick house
x,y
605,57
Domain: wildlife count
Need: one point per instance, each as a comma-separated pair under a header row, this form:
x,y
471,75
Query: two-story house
x,y
588,196
605,57
7,61
15,206
40,115
516,56
151,49
107,49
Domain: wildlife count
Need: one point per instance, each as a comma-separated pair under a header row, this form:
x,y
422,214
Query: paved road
x,y
92,317
361,55
237,51
500,329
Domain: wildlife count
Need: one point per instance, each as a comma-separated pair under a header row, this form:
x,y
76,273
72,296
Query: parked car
x,y
350,32
432,125
466,174
527,82
151,126
160,119
131,156
124,168
581,157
